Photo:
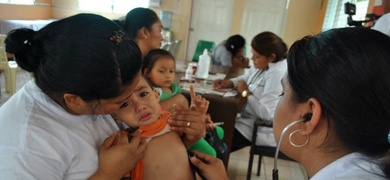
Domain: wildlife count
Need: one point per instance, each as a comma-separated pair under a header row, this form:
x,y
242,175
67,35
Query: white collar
x,y
350,166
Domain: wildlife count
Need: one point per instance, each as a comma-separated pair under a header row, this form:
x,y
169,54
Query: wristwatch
x,y
245,93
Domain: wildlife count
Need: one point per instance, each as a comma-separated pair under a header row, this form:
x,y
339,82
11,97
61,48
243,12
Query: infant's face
x,y
143,106
163,72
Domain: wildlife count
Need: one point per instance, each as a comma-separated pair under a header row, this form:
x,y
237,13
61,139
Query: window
x,y
28,2
335,16
112,6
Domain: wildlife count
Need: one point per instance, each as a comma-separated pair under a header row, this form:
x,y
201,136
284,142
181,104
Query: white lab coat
x,y
266,90
383,24
354,166
41,140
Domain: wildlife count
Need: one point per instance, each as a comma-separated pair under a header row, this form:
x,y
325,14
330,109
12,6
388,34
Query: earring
x,y
296,145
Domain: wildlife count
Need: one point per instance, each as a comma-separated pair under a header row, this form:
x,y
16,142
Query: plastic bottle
x,y
203,65
189,72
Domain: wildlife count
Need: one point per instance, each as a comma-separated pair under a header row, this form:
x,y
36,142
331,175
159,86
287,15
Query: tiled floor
x,y
238,165
238,162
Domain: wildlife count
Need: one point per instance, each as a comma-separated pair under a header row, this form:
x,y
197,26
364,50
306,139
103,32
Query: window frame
x,y
112,6
335,16
20,2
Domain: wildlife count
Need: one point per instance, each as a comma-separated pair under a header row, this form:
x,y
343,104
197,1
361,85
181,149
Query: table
x,y
223,109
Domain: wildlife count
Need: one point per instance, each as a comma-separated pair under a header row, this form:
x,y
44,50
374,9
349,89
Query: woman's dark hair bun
x,y
234,43
20,43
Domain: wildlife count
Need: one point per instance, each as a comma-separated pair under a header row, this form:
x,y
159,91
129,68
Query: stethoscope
x,y
256,80
275,172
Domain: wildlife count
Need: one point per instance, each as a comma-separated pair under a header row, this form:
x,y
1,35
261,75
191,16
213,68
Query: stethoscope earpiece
x,y
307,117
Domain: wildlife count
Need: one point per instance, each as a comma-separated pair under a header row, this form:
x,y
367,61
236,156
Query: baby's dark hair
x,y
152,57
147,80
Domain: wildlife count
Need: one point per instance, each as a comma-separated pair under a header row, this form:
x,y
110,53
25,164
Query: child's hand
x,y
209,123
198,103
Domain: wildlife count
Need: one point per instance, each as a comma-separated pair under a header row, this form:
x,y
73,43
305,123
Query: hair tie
x,y
118,37
232,46
27,42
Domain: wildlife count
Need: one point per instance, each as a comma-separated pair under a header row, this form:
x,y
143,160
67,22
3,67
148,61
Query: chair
x,y
261,150
202,44
9,68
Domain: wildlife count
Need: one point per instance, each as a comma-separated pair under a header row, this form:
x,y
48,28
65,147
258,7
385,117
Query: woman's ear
x,y
72,100
145,71
143,33
313,107
74,103
272,57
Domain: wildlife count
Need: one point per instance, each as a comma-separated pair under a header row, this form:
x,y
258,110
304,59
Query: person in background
x,y
159,67
230,52
260,88
54,125
144,26
383,23
335,105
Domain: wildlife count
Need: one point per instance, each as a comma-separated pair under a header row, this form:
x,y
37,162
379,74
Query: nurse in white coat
x,y
260,87
334,113
85,68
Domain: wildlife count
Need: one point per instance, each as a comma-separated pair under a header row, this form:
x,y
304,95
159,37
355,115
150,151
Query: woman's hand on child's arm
x,y
189,122
198,102
118,156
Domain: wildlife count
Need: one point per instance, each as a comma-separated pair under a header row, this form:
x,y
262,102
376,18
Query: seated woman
x,y
261,88
230,52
